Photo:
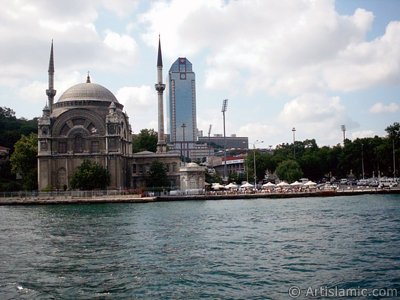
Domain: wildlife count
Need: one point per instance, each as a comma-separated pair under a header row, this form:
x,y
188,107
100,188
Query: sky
x,y
312,65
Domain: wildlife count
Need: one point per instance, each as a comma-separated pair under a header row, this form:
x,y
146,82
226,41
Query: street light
x,y
183,139
254,161
294,139
344,132
394,161
362,160
223,110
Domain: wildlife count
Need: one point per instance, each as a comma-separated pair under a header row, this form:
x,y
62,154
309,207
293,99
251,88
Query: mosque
x,y
88,122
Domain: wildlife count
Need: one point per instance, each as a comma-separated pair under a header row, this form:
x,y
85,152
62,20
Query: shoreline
x,y
204,197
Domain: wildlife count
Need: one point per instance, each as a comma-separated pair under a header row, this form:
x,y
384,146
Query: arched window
x,y
78,144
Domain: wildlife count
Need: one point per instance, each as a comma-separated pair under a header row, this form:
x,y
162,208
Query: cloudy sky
x,y
309,64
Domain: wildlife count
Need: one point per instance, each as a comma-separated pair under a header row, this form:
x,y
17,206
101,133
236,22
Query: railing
x,y
73,194
85,194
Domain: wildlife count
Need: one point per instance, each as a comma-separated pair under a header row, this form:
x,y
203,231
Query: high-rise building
x,y
182,104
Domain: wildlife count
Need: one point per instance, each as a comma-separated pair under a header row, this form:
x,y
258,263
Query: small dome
x,y
88,91
192,165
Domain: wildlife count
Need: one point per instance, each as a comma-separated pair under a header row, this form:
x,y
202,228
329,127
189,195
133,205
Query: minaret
x,y
51,92
160,87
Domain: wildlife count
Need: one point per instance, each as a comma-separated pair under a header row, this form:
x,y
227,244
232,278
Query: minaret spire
x,y
160,87
159,58
51,62
51,92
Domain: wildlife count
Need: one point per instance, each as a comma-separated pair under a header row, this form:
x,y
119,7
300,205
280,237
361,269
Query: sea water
x,y
225,249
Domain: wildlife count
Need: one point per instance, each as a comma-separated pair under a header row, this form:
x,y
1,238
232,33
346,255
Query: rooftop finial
x,y
88,77
159,58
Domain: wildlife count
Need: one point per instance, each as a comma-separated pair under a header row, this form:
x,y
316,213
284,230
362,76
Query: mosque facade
x,y
88,122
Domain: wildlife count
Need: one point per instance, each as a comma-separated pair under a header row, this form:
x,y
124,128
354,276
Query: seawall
x,y
227,196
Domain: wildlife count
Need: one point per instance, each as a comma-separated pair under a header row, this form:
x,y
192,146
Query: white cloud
x,y
121,8
365,64
362,134
120,43
287,47
34,92
124,47
28,28
137,97
140,103
380,107
270,51
312,108
315,116
260,132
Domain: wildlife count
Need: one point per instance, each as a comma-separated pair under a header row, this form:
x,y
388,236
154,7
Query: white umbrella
x,y
296,183
268,185
310,183
282,184
217,186
231,186
247,185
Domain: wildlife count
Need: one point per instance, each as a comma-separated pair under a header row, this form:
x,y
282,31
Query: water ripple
x,y
242,249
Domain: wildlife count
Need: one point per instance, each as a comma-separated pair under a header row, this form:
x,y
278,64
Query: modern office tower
x,y
182,106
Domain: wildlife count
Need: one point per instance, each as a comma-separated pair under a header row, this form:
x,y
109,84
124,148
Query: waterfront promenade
x,y
93,197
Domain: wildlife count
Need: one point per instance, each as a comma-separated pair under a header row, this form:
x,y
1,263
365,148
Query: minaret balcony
x,y
51,92
160,87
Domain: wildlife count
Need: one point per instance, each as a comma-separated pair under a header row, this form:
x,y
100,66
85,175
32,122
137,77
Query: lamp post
x,y
362,160
344,132
223,110
254,161
394,161
209,140
294,139
183,141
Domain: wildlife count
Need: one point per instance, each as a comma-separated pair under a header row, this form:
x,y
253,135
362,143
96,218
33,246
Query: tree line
x,y
372,156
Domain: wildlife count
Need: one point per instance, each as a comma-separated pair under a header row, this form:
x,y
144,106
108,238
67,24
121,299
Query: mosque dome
x,y
88,91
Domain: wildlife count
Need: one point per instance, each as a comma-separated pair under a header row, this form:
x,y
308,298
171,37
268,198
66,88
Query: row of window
x,y
78,146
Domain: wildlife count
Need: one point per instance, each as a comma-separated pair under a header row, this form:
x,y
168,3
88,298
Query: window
x,y
62,147
65,129
112,145
78,144
95,147
43,146
182,66
78,121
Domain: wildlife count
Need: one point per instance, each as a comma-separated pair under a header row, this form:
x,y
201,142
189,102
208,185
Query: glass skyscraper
x,y
182,124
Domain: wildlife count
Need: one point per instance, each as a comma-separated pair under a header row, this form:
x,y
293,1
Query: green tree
x,y
12,128
289,170
90,175
24,160
157,176
393,131
264,162
212,177
146,140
